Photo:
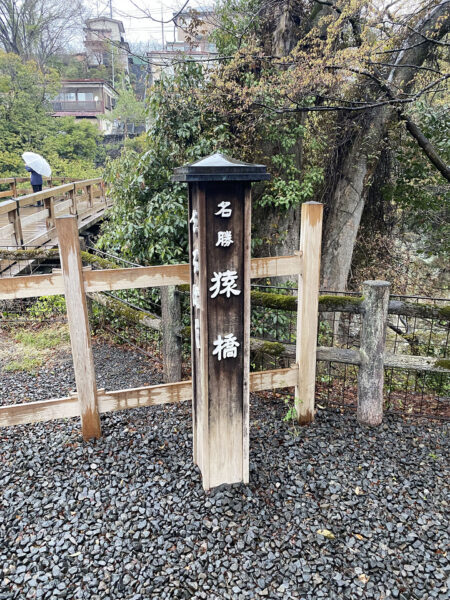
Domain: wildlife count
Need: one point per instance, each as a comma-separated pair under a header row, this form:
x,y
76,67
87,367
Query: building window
x,y
85,96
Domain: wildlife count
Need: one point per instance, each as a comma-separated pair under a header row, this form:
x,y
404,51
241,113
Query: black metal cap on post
x,y
219,167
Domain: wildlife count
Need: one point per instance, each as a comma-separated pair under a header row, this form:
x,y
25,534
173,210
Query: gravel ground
x,y
126,517
115,369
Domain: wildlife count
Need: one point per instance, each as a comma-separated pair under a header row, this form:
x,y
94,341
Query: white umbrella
x,y
37,163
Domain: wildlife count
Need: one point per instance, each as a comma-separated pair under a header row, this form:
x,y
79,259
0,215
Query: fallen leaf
x,y
364,578
359,491
359,536
326,533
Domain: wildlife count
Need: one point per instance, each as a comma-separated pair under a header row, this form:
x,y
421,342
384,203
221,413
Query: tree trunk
x,y
347,201
347,197
278,230
171,333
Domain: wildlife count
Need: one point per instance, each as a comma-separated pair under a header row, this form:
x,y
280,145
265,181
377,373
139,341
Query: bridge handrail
x,y
13,191
12,207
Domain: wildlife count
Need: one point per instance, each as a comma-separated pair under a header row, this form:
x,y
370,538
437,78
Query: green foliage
x,y
28,364
148,220
128,110
44,338
71,147
136,144
417,187
289,186
47,306
23,109
72,140
238,19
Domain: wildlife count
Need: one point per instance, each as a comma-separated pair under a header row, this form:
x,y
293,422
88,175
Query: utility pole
x,y
112,46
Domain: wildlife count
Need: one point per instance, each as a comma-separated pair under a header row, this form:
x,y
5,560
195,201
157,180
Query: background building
x,y
105,43
192,41
86,99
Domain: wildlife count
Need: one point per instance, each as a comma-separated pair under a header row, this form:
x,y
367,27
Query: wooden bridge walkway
x,y
24,225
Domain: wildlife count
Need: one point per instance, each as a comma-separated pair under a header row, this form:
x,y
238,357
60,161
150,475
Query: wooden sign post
x,y
220,235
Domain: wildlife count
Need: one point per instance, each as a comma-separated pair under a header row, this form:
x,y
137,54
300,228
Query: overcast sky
x,y
138,28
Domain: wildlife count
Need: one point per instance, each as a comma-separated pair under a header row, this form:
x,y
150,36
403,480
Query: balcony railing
x,y
80,106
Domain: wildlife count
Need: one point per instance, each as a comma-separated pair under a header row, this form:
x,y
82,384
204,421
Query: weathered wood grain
x,y
373,337
37,216
247,233
307,314
276,266
48,193
77,316
35,412
7,206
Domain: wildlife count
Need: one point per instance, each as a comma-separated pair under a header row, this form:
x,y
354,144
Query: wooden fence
x,y
76,282
13,184
336,308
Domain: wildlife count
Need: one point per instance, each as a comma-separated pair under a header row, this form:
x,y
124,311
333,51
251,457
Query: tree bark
x,y
171,333
279,229
426,146
347,198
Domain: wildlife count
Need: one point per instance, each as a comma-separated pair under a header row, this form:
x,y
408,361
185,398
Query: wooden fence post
x,y
307,312
219,238
14,188
73,209
103,190
89,195
14,218
171,333
49,204
373,335
77,315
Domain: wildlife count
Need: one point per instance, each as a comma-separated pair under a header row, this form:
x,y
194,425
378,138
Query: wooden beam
x,y
138,277
49,193
7,206
80,185
172,393
395,361
77,316
36,412
307,314
276,266
14,218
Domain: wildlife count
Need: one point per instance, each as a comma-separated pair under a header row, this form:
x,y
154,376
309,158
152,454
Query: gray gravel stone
x,y
139,525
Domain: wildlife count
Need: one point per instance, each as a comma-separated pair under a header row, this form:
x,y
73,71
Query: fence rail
x,y
113,279
14,191
25,225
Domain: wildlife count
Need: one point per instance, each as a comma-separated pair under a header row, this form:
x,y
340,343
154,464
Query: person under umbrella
x,y
37,166
36,180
